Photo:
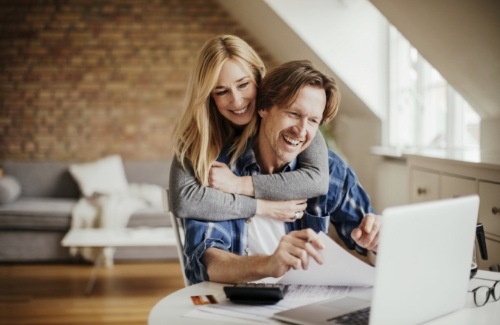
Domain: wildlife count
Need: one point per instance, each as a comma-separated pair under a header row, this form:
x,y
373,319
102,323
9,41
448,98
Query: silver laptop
x,y
422,269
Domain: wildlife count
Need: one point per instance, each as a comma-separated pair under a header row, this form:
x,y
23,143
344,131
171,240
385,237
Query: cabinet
x,y
424,185
437,178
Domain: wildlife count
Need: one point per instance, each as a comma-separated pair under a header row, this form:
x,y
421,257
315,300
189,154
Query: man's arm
x,y
293,251
225,267
351,214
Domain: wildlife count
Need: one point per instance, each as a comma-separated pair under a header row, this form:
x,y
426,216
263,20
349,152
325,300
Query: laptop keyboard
x,y
358,317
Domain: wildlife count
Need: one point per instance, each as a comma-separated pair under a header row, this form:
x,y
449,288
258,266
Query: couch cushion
x,y
42,179
37,214
10,189
148,171
149,217
33,246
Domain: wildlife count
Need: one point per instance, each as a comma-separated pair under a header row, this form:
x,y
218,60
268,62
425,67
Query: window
x,y
425,111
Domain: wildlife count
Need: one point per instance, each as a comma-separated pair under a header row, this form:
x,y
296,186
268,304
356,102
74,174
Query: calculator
x,y
255,293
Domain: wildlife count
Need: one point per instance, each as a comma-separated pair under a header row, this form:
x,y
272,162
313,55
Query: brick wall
x,y
83,79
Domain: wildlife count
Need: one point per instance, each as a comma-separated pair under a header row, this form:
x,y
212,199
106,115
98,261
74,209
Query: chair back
x,y
178,226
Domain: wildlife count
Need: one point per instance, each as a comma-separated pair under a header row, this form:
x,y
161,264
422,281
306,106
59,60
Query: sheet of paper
x,y
297,295
339,268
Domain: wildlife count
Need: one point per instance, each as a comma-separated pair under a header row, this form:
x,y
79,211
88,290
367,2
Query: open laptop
x,y
422,269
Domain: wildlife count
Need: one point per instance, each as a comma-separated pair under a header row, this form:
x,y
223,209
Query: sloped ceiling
x,y
461,39
284,44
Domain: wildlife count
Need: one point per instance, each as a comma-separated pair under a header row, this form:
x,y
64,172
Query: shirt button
x,y
248,220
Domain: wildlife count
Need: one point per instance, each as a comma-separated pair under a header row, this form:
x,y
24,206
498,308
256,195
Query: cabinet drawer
x,y
493,248
452,186
424,186
489,208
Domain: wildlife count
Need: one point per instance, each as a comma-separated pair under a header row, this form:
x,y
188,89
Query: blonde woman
x,y
219,113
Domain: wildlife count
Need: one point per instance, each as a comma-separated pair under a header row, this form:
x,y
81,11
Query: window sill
x,y
459,155
388,153
468,156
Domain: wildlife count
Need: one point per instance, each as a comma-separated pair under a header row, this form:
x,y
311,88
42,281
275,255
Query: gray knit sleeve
x,y
188,199
309,180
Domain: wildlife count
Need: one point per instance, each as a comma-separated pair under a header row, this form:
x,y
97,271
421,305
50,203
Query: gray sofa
x,y
33,222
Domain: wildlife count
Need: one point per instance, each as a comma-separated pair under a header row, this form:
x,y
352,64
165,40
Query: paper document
x,y
296,295
339,268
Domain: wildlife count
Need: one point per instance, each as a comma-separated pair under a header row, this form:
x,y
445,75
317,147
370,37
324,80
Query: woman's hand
x,y
223,179
286,211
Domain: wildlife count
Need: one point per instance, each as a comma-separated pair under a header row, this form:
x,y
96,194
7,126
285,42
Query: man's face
x,y
287,131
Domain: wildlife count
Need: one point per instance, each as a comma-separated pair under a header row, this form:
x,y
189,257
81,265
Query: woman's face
x,y
235,93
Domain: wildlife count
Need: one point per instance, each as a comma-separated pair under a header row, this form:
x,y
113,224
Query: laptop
x,y
422,269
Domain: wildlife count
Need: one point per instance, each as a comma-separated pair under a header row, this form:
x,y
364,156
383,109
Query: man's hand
x,y
223,179
293,251
367,234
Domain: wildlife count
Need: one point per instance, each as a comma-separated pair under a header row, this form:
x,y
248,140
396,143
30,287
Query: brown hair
x,y
281,86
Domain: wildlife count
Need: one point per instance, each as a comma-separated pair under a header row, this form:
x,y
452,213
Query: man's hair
x,y
281,87
202,131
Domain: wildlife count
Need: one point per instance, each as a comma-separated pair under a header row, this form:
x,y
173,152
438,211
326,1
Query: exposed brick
x,y
81,79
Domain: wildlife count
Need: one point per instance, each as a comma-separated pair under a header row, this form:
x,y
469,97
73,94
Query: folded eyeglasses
x,y
482,294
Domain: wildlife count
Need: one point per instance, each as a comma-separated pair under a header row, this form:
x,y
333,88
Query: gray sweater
x,y
188,199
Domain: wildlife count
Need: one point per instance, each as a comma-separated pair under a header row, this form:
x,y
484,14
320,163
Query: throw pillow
x,y
10,189
104,176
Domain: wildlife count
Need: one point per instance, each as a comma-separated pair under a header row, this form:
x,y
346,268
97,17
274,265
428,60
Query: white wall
x,y
348,36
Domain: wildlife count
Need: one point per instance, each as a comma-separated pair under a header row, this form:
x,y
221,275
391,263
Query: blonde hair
x,y
202,131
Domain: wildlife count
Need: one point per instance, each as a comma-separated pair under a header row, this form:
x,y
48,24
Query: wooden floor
x,y
54,293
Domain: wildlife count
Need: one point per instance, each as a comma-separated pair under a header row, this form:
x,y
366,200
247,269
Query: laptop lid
x,y
423,265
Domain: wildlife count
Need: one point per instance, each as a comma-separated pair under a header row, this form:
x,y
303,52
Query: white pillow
x,y
104,176
150,193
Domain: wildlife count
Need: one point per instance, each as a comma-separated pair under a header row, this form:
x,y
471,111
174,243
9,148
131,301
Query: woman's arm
x,y
188,199
309,180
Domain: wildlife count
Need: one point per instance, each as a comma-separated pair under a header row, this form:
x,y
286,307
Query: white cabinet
x,y
428,185
424,185
435,178
454,186
489,211
493,247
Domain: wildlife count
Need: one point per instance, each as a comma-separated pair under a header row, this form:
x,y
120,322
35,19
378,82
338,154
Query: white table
x,y
125,237
170,310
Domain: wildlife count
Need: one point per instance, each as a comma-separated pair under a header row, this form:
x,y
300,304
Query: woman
x,y
220,111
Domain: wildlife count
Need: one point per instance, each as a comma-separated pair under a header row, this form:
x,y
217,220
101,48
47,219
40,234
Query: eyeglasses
x,y
482,294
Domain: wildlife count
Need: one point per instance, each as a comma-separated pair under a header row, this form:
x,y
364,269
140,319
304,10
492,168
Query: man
x,y
294,99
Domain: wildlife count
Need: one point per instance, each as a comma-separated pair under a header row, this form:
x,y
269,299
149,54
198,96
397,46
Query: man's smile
x,y
291,141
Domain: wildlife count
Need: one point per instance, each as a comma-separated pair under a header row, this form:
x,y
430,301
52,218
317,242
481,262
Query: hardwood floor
x,y
43,294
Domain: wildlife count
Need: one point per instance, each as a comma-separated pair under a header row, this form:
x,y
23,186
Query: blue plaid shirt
x,y
345,205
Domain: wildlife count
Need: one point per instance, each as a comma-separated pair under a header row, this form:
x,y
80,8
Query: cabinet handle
x,y
495,210
421,191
